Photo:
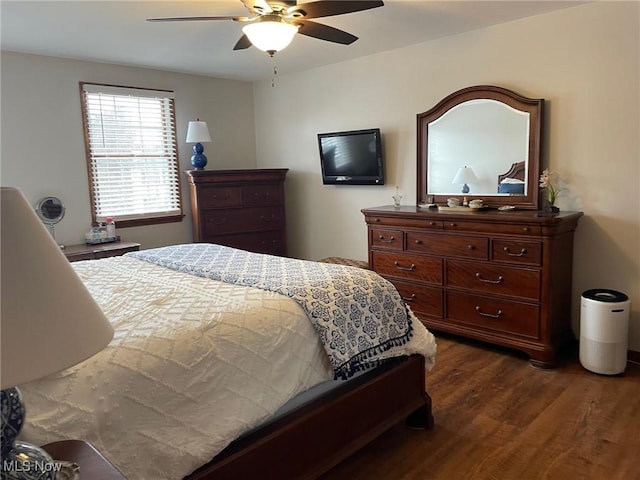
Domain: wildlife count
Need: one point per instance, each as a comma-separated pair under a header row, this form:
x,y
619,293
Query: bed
x,y
512,182
212,347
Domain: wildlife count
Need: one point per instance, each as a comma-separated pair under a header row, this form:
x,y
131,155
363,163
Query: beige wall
x,y
583,60
43,147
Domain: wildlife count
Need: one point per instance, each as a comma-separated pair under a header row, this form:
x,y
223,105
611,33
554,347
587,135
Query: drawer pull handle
x,y
273,218
522,253
409,299
226,196
407,269
376,219
485,314
432,224
417,242
471,247
382,239
486,280
526,229
453,224
256,194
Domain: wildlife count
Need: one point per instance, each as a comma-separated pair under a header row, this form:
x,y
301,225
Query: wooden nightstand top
x,y
92,463
101,250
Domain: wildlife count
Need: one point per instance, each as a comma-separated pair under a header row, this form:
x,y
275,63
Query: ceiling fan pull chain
x,y
275,73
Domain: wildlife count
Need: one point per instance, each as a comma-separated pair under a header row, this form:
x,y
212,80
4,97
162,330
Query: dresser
x,y
239,208
498,277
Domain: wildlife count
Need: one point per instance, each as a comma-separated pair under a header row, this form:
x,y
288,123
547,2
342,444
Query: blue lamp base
x,y
198,159
20,460
465,188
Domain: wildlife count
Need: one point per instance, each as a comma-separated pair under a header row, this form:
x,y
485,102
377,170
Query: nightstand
x,y
93,465
101,250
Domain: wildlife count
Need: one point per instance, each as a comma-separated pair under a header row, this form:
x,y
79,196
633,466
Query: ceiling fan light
x,y
270,35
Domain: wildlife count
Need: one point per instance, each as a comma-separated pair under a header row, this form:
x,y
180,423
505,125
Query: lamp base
x,y
28,462
465,188
20,460
198,159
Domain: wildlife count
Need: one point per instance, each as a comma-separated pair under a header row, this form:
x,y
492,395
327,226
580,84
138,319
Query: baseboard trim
x,y
633,356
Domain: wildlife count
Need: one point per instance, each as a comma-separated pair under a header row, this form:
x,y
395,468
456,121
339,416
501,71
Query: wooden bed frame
x,y
517,170
309,441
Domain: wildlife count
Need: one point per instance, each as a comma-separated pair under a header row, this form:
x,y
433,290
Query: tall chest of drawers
x,y
239,208
499,277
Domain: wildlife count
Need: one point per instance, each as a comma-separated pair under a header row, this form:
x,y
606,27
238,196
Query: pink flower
x,y
546,182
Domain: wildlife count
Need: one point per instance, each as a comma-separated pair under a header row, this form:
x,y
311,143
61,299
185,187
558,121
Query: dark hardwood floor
x,y
498,418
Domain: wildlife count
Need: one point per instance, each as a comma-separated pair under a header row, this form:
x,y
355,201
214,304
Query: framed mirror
x,y
482,142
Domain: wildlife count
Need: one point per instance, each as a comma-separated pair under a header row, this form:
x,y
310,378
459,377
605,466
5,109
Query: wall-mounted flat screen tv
x,y
351,158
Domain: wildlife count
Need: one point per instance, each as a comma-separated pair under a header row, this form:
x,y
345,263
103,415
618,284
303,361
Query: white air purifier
x,y
604,331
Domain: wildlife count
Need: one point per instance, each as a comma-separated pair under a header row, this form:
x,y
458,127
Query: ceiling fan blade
x,y
331,7
243,43
192,19
324,32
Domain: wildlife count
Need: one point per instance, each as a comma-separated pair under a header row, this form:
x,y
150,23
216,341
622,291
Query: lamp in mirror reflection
x,y
49,322
198,133
465,176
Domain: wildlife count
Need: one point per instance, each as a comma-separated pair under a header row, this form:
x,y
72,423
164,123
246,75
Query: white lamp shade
x,y
270,35
49,320
198,132
465,175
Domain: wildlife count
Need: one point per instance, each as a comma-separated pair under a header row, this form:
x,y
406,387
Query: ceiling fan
x,y
272,24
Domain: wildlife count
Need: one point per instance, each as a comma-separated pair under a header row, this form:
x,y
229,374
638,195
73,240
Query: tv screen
x,y
351,158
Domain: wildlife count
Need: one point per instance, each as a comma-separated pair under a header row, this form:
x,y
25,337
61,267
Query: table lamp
x,y
48,322
198,132
464,176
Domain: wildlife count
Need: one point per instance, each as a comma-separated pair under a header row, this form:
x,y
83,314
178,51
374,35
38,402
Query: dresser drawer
x,y
448,245
387,239
422,299
244,220
211,197
262,195
515,251
412,267
511,318
262,242
495,279
405,222
501,228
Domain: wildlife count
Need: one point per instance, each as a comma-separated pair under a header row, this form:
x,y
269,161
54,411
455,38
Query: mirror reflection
x,y
495,137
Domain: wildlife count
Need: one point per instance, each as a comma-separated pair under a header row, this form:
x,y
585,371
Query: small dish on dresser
x,y
506,208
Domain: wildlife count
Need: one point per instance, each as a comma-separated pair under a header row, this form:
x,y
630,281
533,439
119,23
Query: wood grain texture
x,y
497,418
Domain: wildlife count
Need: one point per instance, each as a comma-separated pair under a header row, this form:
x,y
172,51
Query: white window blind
x,y
130,135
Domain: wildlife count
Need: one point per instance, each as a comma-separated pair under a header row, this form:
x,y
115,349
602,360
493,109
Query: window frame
x,y
147,219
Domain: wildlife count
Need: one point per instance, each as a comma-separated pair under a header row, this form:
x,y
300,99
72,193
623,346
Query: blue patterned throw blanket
x,y
357,313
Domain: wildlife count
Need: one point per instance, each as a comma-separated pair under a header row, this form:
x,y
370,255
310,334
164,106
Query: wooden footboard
x,y
309,441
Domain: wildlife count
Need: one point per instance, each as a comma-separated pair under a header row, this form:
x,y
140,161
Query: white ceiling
x,y
116,32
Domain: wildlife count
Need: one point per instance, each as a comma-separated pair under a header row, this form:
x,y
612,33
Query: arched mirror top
x,y
481,142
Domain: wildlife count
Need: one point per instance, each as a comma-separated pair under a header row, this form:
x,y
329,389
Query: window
x,y
132,159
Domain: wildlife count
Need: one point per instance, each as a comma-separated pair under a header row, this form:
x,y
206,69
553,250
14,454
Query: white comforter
x,y
194,363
